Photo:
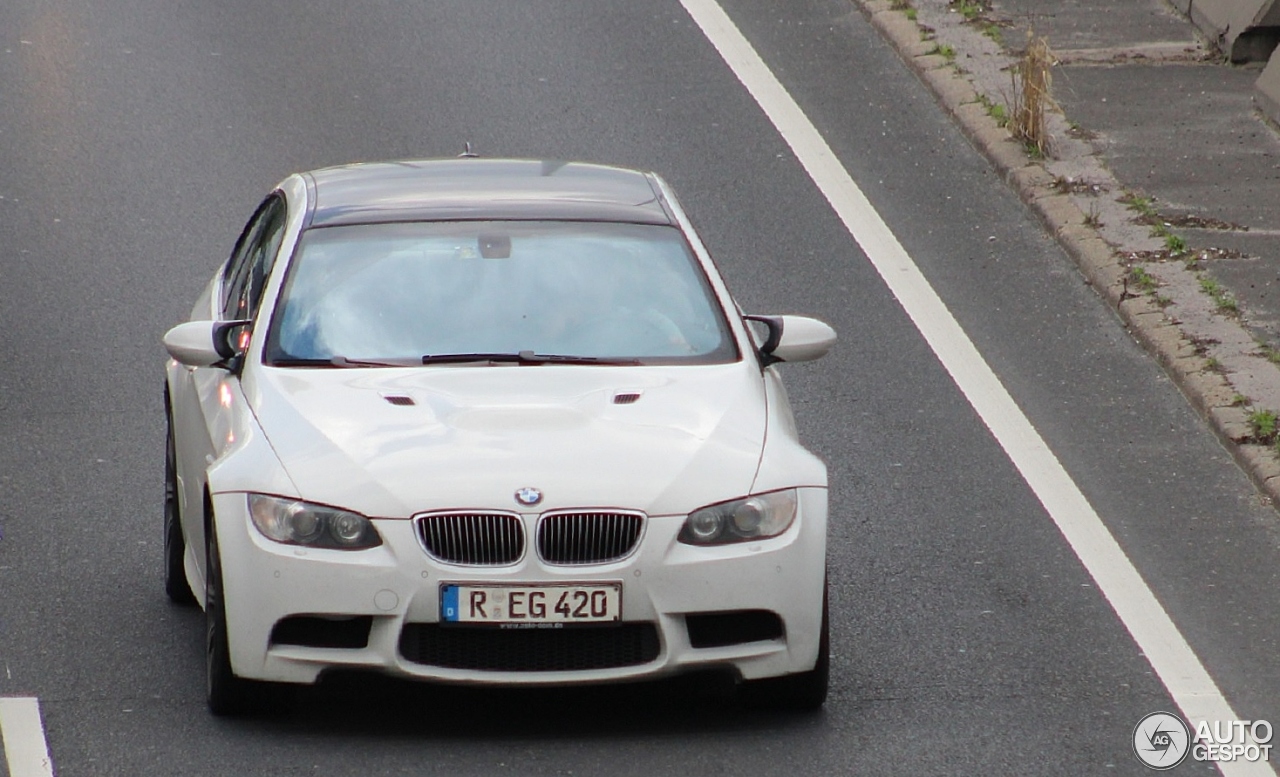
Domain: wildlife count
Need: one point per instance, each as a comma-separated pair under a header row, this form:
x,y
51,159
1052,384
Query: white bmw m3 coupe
x,y
490,421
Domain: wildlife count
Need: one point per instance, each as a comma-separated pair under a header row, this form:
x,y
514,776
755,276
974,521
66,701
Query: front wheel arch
x,y
176,585
225,692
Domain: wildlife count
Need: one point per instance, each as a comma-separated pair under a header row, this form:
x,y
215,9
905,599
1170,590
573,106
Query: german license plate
x,y
531,605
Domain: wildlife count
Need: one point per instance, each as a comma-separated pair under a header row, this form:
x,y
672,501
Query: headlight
x,y
293,522
753,518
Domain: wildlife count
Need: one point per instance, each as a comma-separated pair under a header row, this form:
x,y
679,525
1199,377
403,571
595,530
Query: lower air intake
x,y
530,650
719,629
323,632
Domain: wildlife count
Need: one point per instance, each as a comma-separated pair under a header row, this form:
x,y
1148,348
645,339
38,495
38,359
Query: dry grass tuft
x,y
1032,96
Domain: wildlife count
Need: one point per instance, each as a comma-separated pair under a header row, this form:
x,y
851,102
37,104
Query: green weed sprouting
x,y
1142,279
1225,301
1263,425
1174,244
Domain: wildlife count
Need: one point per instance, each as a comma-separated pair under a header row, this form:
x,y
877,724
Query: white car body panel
x,y
476,434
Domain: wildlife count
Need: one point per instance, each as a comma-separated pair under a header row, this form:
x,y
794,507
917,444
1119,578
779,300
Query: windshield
x,y
501,292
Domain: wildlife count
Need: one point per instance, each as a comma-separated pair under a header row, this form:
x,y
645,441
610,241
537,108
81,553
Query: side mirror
x,y
794,338
204,343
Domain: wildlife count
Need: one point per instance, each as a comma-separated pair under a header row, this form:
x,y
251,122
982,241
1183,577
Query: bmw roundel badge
x,y
528,496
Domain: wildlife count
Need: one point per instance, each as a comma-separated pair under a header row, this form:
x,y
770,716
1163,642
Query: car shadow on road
x,y
375,705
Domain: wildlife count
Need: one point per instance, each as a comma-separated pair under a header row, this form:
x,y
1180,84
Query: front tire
x,y
226,693
175,546
802,692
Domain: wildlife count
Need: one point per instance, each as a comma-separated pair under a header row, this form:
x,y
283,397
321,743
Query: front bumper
x,y
395,588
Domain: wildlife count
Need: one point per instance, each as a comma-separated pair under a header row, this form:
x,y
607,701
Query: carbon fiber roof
x,y
467,189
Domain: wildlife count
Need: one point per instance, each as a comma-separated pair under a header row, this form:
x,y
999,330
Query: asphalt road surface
x,y
135,138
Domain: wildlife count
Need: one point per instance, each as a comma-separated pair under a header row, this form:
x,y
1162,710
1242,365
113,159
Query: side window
x,y
262,258
232,276
251,263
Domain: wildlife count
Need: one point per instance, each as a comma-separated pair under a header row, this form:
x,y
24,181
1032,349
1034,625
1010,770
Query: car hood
x,y
394,442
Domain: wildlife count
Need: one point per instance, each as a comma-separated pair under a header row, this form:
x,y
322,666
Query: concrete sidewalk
x,y
1162,180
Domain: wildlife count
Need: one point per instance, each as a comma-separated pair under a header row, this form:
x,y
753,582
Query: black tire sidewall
x,y
226,692
175,547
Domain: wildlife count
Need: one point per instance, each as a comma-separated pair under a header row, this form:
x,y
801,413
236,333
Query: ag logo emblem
x,y
528,496
1161,740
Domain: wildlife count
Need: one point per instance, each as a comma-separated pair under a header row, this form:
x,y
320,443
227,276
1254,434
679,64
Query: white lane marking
x,y
1155,633
22,735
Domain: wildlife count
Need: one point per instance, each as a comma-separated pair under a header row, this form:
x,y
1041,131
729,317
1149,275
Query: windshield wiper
x,y
341,362
555,358
344,361
294,361
523,357
471,358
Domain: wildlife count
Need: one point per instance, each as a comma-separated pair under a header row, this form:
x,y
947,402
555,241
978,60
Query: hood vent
x,y
397,399
626,397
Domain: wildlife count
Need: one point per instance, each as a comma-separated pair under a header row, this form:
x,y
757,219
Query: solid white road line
x,y
1155,633
22,734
